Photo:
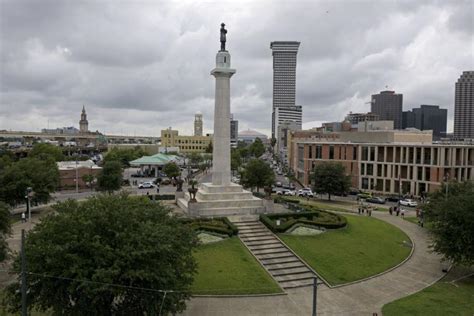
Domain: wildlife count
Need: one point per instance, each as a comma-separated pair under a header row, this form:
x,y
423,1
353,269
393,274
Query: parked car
x,y
274,190
305,192
364,195
408,202
286,192
393,198
354,191
292,186
278,184
376,199
146,185
166,181
286,186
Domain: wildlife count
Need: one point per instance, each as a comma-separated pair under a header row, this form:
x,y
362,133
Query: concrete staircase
x,y
284,266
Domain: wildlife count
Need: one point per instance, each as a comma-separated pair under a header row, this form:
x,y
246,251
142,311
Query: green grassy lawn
x,y
367,246
412,219
226,267
442,298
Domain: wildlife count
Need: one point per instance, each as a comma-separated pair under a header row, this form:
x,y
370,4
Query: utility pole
x,y
24,310
315,294
27,197
77,176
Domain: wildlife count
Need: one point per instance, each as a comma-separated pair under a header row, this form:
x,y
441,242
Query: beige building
x,y
386,162
186,144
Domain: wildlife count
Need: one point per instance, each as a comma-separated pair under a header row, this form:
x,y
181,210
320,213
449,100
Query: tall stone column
x,y
221,140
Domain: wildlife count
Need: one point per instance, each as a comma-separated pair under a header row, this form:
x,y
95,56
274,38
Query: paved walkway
x,y
363,298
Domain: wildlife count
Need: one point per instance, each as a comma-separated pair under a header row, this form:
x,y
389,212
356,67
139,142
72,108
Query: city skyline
x,y
135,73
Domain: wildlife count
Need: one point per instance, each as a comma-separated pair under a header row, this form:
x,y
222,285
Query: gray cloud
x,y
143,66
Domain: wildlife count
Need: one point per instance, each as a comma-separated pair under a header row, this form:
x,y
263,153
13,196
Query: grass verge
x,y
227,267
446,297
367,246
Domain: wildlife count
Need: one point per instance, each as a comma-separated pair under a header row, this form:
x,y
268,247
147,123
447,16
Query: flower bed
x,y
207,238
310,216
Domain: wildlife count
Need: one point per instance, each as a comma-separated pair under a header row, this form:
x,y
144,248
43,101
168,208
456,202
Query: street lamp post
x,y
27,197
77,176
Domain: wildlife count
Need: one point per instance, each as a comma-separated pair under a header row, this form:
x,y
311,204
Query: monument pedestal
x,y
218,200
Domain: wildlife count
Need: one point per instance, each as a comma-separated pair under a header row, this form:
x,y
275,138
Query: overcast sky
x,y
141,66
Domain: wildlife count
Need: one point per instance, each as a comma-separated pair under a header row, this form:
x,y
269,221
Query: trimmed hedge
x,y
310,216
220,225
260,195
162,197
282,199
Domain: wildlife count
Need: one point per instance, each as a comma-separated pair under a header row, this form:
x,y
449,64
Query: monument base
x,y
215,200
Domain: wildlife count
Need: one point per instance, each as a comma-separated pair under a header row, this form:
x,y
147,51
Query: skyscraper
x,y
284,76
198,124
388,105
427,117
83,123
464,106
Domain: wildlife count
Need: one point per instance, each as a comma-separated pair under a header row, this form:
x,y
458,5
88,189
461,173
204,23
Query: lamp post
x,y
27,197
446,182
77,175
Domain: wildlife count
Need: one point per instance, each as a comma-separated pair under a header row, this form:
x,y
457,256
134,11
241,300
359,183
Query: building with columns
x,y
385,162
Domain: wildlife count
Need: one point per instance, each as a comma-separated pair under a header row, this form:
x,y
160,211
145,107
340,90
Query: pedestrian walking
x,y
403,213
358,209
398,210
390,210
23,217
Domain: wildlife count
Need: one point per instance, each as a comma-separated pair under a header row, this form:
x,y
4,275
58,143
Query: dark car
x,y
393,198
377,200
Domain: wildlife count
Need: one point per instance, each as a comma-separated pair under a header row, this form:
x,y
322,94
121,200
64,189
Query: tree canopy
x,y
41,174
330,178
257,148
43,151
257,174
109,255
110,177
124,156
171,169
451,221
5,229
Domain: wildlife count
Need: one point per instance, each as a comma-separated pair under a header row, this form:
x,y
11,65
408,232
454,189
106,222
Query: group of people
x,y
397,210
362,209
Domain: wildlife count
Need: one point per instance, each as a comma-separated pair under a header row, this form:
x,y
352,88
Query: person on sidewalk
x,y
403,213
23,217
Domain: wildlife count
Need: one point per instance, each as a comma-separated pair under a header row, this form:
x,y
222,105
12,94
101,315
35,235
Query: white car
x,y
146,185
305,192
408,202
286,192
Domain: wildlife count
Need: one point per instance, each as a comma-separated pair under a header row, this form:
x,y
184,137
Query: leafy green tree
x,y
124,156
88,178
451,221
194,158
330,178
257,148
209,148
43,151
109,255
110,177
171,169
5,230
257,174
235,161
42,175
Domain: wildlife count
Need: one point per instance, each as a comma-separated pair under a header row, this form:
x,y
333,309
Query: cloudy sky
x,y
141,66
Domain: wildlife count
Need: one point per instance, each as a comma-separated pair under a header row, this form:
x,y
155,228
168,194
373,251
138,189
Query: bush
x,y
311,216
259,194
282,199
220,225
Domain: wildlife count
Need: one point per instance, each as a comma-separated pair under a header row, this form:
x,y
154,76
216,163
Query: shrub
x,y
220,225
259,194
310,216
283,199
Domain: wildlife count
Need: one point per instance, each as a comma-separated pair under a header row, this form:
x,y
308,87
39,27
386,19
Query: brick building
x,y
67,173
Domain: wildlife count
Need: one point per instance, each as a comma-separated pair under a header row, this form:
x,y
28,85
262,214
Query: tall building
x,y
388,105
286,118
83,123
234,131
198,124
427,117
284,76
464,106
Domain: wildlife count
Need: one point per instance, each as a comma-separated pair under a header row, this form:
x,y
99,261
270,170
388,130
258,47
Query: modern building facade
x,y
389,162
388,105
464,106
234,131
83,123
427,117
289,117
186,144
198,124
284,76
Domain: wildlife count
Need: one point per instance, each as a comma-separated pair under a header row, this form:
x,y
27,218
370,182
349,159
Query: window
x,y
331,152
319,151
365,153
